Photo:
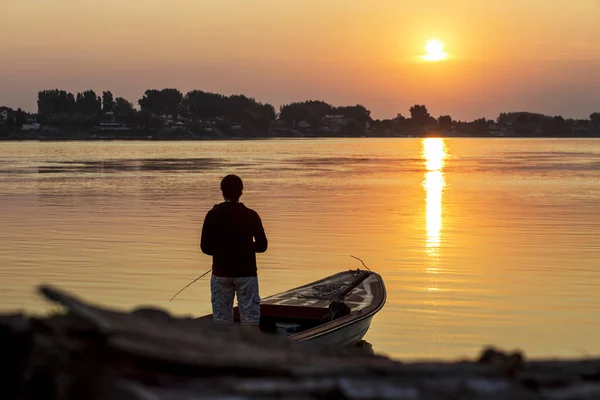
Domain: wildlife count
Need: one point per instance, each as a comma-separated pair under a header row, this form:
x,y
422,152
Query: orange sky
x,y
507,55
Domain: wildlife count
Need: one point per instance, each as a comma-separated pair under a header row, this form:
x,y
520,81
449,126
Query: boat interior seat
x,y
275,318
287,312
293,319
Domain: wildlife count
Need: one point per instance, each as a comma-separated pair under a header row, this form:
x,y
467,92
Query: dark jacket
x,y
233,233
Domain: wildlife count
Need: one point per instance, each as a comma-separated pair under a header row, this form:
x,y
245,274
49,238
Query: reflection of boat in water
x,y
334,311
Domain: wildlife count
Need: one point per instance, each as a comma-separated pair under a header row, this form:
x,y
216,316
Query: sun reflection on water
x,y
434,153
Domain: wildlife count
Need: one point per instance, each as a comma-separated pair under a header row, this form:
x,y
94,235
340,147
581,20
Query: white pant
x,y
222,292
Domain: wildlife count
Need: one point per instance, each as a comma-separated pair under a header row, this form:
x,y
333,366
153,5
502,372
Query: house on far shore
x,y
31,127
107,117
335,123
3,114
304,124
113,127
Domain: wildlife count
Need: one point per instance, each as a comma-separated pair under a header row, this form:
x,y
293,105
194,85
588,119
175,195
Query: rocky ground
x,y
91,352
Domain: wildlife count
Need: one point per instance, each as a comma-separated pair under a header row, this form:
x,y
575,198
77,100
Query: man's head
x,y
232,187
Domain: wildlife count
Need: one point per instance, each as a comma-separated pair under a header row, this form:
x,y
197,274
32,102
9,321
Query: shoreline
x,y
256,138
88,351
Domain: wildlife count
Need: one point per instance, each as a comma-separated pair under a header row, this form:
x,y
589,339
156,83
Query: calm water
x,y
479,241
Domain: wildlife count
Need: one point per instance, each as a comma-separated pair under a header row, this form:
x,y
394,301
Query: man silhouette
x,y
232,234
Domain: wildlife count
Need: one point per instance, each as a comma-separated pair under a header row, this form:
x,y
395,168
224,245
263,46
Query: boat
x,y
333,311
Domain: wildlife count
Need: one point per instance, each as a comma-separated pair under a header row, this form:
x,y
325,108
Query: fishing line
x,y
192,282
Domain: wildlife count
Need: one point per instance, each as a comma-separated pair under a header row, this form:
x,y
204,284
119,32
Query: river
x,y
479,241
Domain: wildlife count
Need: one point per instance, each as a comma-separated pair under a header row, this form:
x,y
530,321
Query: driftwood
x,y
94,353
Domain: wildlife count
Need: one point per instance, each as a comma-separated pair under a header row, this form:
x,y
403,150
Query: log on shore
x,y
92,352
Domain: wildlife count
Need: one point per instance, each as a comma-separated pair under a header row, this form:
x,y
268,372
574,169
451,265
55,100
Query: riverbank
x,y
153,137
96,353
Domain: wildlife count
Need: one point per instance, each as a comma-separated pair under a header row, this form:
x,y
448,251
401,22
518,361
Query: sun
x,y
435,51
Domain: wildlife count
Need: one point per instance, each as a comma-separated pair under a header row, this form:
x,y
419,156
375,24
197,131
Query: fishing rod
x,y
191,283
204,274
361,262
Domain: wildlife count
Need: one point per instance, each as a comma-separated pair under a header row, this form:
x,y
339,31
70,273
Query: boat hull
x,y
309,313
346,336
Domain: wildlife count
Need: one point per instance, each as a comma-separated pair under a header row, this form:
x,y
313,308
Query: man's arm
x,y
207,239
260,238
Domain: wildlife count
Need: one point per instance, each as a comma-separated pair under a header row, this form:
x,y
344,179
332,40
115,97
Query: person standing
x,y
232,234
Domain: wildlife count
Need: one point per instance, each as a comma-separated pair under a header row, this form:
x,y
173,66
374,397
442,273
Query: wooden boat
x,y
334,311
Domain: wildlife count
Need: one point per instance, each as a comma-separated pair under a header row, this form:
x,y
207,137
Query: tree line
x,y
61,108
87,109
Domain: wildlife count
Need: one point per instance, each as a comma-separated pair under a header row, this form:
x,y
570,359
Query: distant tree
x,y
162,102
358,112
419,114
143,118
9,122
239,108
268,111
60,120
151,102
559,126
44,103
595,120
502,119
198,104
255,118
20,119
172,99
108,103
122,106
522,119
317,110
312,111
523,125
53,102
293,113
262,122
445,121
481,123
68,102
88,103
